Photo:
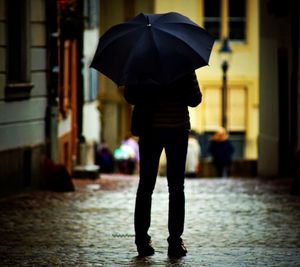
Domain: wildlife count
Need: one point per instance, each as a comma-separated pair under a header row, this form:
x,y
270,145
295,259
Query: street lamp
x,y
225,56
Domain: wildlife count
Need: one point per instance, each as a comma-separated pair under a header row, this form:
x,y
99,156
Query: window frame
x,y
237,19
213,19
224,25
212,113
90,9
18,85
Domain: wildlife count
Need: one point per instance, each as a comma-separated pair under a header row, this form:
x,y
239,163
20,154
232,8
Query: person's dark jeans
x,y
222,169
151,146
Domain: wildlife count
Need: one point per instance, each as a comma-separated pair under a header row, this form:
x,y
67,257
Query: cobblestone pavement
x,y
229,222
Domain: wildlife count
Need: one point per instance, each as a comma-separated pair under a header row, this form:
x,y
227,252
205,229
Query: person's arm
x,y
193,94
132,94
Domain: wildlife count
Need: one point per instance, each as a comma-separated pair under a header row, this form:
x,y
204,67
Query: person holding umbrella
x,y
154,56
161,120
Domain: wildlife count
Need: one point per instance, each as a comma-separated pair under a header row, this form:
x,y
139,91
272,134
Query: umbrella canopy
x,y
154,48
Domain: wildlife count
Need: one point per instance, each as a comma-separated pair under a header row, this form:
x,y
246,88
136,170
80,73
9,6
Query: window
x,y
226,18
91,11
18,57
212,108
237,19
212,18
236,108
237,103
91,84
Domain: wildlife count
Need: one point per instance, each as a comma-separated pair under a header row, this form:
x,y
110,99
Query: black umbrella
x,y
157,48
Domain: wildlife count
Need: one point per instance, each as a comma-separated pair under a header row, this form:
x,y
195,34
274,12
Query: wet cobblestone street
x,y
229,222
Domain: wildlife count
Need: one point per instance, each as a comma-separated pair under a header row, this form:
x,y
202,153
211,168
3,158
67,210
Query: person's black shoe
x,y
145,249
177,250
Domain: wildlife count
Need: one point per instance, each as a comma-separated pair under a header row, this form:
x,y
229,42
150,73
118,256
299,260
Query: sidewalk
x,y
229,222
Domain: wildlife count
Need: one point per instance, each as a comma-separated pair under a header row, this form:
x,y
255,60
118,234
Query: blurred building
x,y
49,100
45,87
279,83
115,112
237,20
262,76
91,125
23,92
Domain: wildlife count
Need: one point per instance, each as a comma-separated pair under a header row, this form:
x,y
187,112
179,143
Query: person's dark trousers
x,y
219,169
222,170
151,146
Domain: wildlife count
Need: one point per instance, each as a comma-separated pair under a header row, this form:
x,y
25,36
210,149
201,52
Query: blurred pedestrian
x,y
124,157
161,120
130,143
193,156
104,159
222,151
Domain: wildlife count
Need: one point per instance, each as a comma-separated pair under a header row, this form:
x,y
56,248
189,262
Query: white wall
x,y
91,122
91,114
91,125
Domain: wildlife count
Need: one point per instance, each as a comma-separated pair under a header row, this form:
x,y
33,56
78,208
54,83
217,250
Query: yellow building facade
x,y
243,72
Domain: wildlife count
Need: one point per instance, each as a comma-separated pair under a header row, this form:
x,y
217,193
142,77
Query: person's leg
x,y
176,149
225,171
130,166
219,169
150,150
